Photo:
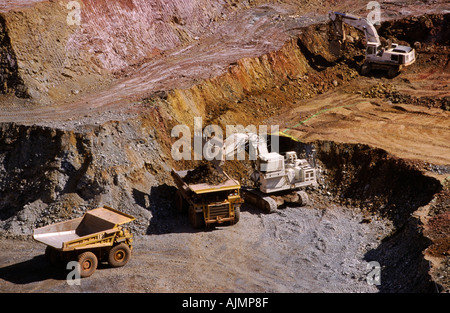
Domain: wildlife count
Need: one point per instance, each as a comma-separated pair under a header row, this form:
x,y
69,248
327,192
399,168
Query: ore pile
x,y
205,173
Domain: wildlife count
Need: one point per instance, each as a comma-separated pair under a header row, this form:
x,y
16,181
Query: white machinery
x,y
391,58
277,177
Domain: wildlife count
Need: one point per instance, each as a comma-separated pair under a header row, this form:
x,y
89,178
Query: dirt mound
x,y
427,28
389,92
205,173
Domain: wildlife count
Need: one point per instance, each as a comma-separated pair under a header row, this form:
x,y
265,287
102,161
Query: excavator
x,y
391,58
278,178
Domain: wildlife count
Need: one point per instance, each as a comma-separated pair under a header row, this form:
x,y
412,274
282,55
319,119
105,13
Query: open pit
x,y
90,123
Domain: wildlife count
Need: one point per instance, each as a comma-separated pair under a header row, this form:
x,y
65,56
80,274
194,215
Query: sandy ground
x,y
405,130
295,250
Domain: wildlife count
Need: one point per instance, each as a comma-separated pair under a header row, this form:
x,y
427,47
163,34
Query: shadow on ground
x,y
30,271
403,266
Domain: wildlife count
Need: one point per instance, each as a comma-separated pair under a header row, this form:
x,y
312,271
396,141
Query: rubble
x,y
207,173
388,92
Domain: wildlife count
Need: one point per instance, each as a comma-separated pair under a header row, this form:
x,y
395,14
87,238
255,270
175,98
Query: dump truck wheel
x,y
195,219
88,263
237,215
119,255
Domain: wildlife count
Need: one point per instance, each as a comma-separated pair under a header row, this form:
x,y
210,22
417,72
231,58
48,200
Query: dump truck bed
x,y
87,229
203,187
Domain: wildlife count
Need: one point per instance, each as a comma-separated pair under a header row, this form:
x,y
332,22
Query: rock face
x,y
60,47
49,174
127,32
10,81
63,47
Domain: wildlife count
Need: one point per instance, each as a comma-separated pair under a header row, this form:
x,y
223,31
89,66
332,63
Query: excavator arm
x,y
358,22
236,143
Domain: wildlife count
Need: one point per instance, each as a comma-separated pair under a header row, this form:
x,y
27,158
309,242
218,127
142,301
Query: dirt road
x,y
296,250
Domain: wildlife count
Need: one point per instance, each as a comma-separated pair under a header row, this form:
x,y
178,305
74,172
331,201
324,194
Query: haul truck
x,y
96,236
208,204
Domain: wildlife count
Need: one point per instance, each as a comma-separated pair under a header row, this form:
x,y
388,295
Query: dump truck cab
x,y
208,204
216,205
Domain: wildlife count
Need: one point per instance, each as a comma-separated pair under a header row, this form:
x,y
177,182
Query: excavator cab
x,y
372,49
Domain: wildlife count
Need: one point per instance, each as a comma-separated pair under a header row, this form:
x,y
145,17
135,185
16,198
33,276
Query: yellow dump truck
x,y
208,204
96,236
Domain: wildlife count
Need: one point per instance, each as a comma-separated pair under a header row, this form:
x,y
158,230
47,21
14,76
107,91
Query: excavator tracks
x,y
267,203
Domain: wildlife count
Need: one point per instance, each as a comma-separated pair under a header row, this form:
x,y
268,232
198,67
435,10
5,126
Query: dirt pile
x,y
424,29
389,93
207,173
380,90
